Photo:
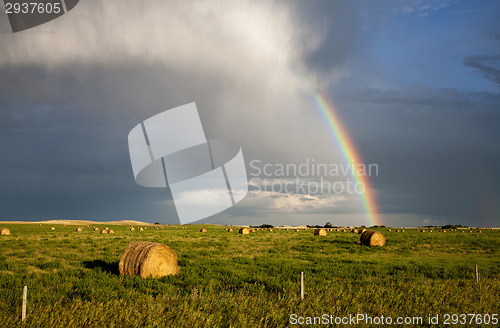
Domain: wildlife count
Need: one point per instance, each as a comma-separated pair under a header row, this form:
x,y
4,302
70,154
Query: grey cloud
x,y
332,26
416,94
486,66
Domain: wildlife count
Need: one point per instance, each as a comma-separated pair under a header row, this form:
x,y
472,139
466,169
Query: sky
x,y
415,86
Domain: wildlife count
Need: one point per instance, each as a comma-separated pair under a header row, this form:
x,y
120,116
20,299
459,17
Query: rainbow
x,y
328,113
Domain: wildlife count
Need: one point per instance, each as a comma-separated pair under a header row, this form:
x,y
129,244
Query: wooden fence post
x,y
301,285
25,295
477,274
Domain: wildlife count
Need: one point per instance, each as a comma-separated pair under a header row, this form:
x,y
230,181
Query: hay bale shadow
x,y
110,267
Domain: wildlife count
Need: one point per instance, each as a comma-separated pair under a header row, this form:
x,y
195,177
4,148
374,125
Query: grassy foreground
x,y
232,280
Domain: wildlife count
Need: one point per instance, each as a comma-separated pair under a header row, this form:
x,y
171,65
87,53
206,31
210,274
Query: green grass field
x,y
232,280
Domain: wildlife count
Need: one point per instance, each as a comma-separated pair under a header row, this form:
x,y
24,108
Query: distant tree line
x,y
450,226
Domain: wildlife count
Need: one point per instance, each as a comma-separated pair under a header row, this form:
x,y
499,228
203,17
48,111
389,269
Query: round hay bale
x,y
319,232
430,230
397,230
296,230
230,230
270,229
203,230
361,231
354,230
389,230
132,228
52,228
141,228
244,231
79,229
148,259
372,238
343,230
104,231
96,229
4,231
403,230
462,231
185,228
111,231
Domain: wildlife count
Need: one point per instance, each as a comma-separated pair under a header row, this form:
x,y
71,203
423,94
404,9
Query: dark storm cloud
x,y
485,65
66,114
334,26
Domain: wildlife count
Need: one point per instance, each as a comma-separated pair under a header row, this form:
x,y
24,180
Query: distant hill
x,y
81,222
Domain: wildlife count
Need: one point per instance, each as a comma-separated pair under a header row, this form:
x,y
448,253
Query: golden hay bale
x,y
252,230
343,230
388,229
148,259
132,228
462,231
372,238
319,232
52,228
397,230
230,230
96,229
354,230
244,231
203,230
4,231
361,231
296,230
479,231
141,228
111,231
104,231
79,229
106,228
403,230
270,229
